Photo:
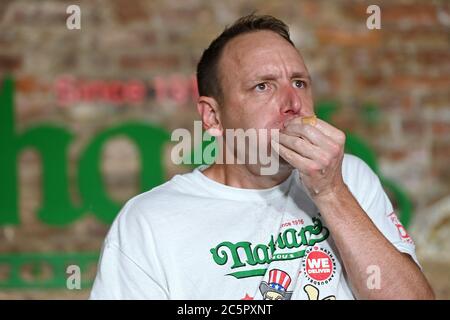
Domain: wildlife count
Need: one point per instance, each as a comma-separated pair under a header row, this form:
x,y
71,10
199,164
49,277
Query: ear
x,y
208,108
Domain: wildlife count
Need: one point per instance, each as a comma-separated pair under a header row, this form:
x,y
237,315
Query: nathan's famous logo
x,y
292,242
319,265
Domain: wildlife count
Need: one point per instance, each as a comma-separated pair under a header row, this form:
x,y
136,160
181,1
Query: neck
x,y
245,176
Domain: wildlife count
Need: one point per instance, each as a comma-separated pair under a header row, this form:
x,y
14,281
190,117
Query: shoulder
x,y
353,164
155,207
362,181
162,196
355,170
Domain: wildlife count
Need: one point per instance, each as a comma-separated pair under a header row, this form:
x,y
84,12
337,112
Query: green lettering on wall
x,y
8,166
52,144
148,139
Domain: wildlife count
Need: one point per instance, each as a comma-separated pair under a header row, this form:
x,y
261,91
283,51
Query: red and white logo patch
x,y
401,229
319,265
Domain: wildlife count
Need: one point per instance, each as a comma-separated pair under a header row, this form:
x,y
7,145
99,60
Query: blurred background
x,y
86,115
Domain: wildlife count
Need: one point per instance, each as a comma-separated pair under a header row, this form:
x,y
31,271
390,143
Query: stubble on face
x,y
250,59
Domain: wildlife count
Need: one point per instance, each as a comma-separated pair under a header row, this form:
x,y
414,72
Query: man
x,y
321,227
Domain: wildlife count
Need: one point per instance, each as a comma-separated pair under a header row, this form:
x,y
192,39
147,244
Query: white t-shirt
x,y
194,238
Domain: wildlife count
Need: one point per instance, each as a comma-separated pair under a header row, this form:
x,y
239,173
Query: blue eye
x,y
261,86
299,84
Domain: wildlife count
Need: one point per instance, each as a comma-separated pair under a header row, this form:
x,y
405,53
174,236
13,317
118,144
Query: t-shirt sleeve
x,y
119,277
128,267
367,189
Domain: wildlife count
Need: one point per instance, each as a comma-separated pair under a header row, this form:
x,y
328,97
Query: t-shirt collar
x,y
233,193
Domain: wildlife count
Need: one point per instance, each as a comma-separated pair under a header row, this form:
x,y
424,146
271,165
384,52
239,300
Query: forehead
x,y
260,51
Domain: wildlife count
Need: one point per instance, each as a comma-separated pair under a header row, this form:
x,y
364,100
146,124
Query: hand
x,y
317,152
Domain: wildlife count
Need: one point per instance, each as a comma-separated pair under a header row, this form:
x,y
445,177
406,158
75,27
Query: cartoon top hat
x,y
279,281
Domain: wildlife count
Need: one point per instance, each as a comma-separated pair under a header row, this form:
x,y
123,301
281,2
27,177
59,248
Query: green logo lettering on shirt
x,y
244,254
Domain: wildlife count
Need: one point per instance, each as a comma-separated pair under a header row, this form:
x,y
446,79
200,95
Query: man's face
x,y
272,295
264,82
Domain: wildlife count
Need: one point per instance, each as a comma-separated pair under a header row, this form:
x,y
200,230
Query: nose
x,y
290,101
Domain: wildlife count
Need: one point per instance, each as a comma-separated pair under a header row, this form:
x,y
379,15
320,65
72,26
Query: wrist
x,y
332,196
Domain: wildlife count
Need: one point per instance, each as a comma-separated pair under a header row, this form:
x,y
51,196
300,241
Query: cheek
x,y
263,111
246,113
307,100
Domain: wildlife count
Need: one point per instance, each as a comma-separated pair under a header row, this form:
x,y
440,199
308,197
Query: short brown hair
x,y
207,69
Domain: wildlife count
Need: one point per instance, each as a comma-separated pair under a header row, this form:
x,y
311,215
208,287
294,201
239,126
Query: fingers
x,y
317,156
305,165
304,148
314,136
314,132
330,131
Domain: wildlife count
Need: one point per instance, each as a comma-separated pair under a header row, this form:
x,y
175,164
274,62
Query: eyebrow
x,y
271,76
301,75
